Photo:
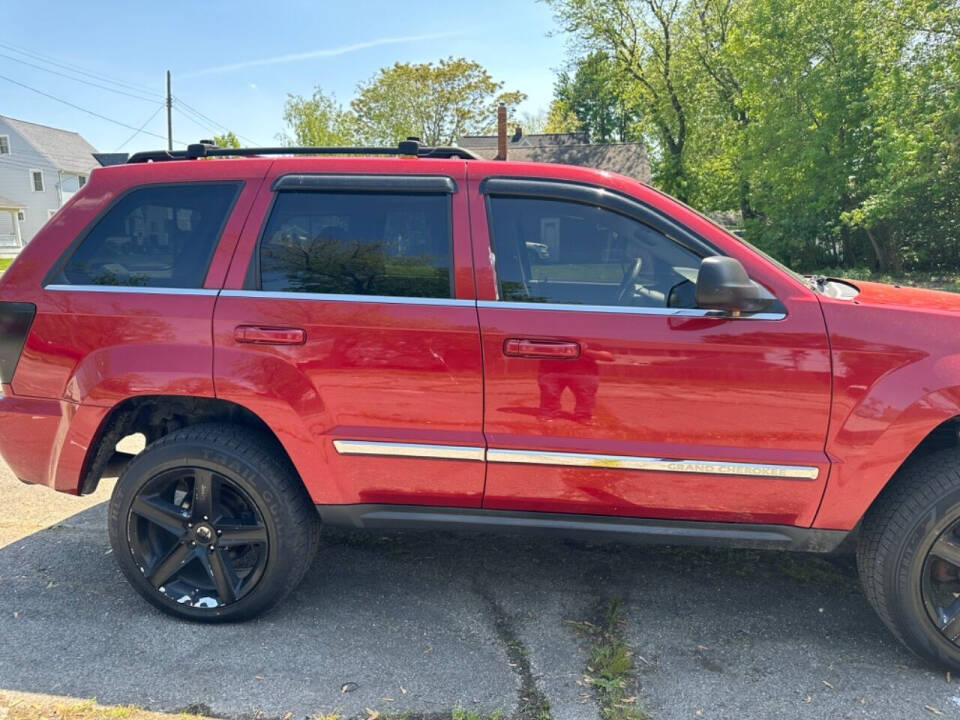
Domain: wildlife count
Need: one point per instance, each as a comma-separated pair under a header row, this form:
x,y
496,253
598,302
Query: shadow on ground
x,y
424,623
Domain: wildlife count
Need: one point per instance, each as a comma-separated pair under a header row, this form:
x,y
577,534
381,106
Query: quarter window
x,y
390,244
554,251
161,236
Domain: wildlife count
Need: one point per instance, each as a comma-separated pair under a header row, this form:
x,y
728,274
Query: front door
x,y
608,392
348,323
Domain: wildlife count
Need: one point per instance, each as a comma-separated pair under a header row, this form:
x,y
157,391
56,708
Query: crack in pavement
x,y
532,703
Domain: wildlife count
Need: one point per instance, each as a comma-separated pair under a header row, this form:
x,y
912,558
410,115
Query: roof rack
x,y
205,149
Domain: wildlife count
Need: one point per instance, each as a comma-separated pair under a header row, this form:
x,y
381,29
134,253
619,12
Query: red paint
x,y
656,386
849,387
392,372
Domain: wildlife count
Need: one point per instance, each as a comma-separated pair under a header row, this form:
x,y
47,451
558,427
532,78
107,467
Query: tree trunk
x,y
878,251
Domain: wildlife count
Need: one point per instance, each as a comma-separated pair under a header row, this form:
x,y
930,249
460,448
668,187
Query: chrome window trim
x,y
333,297
564,459
627,310
132,289
631,462
394,449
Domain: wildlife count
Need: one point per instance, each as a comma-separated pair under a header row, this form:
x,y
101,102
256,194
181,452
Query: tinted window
x,y
159,236
553,251
358,244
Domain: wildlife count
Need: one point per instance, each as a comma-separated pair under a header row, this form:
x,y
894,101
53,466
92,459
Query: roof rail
x,y
205,149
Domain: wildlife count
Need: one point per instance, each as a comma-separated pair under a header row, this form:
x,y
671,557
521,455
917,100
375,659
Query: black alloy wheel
x,y
197,537
940,584
212,523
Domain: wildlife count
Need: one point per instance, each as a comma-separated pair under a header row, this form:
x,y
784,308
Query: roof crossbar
x,y
410,147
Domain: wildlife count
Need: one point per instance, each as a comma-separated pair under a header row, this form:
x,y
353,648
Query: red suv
x,y
440,341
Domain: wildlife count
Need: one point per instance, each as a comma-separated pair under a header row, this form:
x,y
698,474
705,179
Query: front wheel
x,y
909,557
210,523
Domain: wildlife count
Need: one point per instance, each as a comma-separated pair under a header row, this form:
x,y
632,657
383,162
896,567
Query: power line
x,y
189,111
140,130
80,80
213,122
73,68
83,109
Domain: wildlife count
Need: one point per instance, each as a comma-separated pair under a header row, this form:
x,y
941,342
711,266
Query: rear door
x,y
348,323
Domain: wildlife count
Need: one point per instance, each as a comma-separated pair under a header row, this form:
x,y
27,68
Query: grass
x,y
460,713
5,263
610,670
24,706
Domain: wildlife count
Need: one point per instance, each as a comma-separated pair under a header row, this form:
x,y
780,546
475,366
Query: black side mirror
x,y
723,284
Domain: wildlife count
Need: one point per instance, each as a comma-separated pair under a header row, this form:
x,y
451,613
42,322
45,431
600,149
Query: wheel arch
x,y
857,480
156,416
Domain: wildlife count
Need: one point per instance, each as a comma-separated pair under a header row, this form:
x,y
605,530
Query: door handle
x,y
269,335
556,349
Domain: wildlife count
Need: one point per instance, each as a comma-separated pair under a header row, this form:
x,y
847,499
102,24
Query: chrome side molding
x,y
443,452
631,462
586,460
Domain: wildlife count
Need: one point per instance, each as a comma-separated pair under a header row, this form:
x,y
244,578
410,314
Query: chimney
x,y
501,132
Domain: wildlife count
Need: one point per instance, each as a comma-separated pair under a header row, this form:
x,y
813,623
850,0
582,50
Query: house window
x,y
82,179
4,144
51,213
21,215
36,180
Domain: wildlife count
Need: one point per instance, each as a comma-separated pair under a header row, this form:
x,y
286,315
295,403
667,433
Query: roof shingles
x,y
628,159
64,149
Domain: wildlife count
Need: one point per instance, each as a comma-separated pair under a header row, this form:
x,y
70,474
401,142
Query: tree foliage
x,y
317,121
831,126
594,101
437,102
226,140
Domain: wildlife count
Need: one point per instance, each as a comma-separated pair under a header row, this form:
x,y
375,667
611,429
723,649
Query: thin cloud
x,y
327,52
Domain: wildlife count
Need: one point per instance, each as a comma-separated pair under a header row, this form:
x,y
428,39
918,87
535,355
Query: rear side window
x,y
344,243
161,236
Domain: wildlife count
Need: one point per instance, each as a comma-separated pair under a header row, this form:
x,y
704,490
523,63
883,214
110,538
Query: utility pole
x,y
169,115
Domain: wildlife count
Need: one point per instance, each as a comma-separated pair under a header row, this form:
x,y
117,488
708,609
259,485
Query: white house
x,y
40,168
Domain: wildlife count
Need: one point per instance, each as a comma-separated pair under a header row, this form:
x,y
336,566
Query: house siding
x,y
16,183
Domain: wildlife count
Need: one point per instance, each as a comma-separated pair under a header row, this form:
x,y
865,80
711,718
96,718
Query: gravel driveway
x,y
413,625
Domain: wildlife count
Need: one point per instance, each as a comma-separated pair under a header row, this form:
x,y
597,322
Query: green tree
x,y
593,93
227,140
317,121
437,102
649,44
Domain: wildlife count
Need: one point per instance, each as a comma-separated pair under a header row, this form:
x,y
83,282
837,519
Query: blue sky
x,y
234,62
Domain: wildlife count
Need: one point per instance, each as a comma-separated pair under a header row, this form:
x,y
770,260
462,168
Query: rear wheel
x,y
209,523
909,557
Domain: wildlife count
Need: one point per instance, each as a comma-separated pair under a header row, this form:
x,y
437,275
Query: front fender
x,y
888,397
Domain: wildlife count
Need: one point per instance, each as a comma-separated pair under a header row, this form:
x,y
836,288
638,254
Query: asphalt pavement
x,y
417,625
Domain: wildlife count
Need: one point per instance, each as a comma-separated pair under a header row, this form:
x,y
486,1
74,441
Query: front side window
x,y
344,243
557,251
161,236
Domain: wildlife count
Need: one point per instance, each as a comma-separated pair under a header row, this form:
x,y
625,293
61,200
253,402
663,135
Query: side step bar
x,y
592,527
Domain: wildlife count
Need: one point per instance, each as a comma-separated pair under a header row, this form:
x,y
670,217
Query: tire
x,y
904,540
212,523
